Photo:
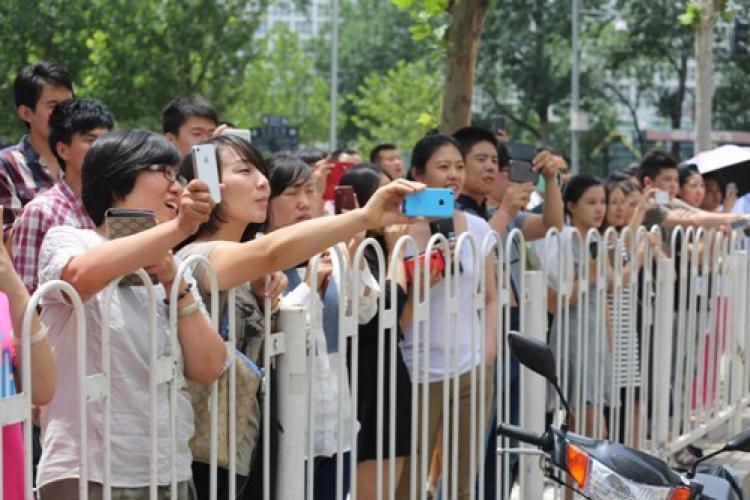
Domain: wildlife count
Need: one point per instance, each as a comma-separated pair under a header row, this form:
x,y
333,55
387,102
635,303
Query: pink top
x,y
13,459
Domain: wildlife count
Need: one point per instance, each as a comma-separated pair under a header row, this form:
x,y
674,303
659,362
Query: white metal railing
x,y
666,367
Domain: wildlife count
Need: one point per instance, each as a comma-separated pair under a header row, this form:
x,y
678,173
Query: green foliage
x,y
397,107
135,55
374,36
430,19
692,15
732,97
524,71
282,81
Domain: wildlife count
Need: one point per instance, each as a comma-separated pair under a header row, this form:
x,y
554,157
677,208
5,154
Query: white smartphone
x,y
731,188
206,168
661,197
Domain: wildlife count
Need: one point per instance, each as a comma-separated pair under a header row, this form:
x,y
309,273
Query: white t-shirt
x,y
129,381
466,323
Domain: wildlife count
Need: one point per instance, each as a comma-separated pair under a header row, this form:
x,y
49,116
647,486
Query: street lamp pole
x,y
575,100
334,73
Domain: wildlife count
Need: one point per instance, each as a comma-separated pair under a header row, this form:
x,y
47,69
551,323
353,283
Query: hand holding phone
x,y
206,168
431,202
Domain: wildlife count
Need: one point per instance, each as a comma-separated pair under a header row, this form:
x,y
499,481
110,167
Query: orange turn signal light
x,y
680,493
578,464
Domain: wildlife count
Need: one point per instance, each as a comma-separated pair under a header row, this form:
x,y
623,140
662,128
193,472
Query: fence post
x,y
533,387
292,390
735,351
662,355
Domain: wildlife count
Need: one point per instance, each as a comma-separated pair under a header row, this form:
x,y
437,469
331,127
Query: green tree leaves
x,y
397,107
282,81
135,55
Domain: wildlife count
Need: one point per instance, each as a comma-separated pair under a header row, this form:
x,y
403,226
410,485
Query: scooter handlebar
x,y
515,432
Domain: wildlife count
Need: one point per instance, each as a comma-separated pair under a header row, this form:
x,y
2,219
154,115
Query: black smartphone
x,y
522,152
498,123
444,227
521,171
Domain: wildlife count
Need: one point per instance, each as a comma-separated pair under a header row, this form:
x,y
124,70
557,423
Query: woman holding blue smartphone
x,y
437,162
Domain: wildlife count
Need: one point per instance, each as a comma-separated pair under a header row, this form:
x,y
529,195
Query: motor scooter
x,y
601,469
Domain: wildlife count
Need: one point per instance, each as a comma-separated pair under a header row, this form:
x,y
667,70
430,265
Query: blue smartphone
x,y
431,202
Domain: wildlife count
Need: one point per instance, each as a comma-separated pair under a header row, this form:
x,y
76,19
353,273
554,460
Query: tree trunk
x,y
467,17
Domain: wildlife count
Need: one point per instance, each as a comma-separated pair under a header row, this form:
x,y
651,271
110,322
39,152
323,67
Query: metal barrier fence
x,y
650,342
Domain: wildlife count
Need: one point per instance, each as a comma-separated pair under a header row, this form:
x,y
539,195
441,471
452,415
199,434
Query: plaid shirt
x,y
59,206
22,177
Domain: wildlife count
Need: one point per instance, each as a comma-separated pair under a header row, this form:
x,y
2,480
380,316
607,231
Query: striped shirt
x,y
22,177
59,206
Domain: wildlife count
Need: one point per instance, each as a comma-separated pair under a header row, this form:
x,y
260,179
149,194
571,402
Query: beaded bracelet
x,y
181,295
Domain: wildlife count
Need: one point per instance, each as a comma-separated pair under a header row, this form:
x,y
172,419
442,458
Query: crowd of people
x,y
73,168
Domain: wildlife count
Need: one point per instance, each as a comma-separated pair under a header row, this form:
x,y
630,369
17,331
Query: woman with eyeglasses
x,y
128,169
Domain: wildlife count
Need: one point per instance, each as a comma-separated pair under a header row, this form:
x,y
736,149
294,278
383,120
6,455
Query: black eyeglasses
x,y
170,173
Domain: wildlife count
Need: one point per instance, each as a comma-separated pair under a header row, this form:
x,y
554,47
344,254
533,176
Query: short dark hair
x,y
375,153
246,151
425,148
468,137
311,155
30,82
76,116
177,112
113,163
654,162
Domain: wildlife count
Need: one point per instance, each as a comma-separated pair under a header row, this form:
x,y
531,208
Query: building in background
x,y
306,21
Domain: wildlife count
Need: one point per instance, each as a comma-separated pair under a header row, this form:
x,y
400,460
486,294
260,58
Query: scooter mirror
x,y
533,354
740,442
